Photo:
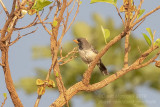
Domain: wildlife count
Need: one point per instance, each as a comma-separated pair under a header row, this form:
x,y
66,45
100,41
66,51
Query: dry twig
x,y
4,8
4,102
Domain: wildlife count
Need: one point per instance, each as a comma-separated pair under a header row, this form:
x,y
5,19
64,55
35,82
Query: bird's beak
x,y
75,41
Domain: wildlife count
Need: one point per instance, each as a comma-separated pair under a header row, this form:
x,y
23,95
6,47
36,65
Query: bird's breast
x,y
87,55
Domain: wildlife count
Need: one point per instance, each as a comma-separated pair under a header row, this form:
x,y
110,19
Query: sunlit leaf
x,y
54,23
80,2
5,95
147,39
40,4
41,90
106,1
39,82
140,13
150,33
106,33
57,74
51,83
157,43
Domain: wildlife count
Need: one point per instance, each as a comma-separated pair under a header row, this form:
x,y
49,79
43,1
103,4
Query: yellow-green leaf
x,y
40,4
55,23
106,33
51,83
140,13
41,90
150,33
5,95
106,1
39,82
147,39
157,43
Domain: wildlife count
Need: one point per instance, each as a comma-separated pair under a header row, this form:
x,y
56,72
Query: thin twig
x,y
4,102
139,24
50,9
73,18
2,64
157,8
69,3
13,7
19,37
0,11
34,22
4,8
120,15
68,54
137,11
43,24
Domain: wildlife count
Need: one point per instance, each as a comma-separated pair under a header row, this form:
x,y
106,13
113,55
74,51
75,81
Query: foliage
x,y
120,93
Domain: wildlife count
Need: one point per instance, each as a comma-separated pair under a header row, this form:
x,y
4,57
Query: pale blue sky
x,y
22,65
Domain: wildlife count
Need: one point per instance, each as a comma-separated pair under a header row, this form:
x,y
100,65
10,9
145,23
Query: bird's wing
x,y
94,50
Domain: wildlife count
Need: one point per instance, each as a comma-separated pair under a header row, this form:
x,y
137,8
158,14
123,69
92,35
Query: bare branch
x,y
71,54
73,18
44,25
137,11
2,64
4,102
132,25
4,8
126,50
139,24
120,15
13,7
0,11
19,37
34,22
68,14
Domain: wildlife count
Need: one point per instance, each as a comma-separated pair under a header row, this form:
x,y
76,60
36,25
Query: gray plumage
x,y
88,54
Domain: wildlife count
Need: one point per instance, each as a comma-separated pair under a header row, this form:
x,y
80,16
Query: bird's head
x,y
82,43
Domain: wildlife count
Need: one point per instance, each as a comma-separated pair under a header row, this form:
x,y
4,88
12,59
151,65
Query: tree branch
x,y
126,50
80,86
4,8
132,25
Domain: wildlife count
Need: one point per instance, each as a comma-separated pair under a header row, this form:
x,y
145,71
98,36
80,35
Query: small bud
x,y
157,64
24,12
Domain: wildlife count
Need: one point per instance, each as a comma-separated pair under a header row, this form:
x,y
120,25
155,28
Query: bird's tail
x,y
102,68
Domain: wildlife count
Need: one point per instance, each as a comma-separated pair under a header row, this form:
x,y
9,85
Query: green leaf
x,y
5,95
55,23
150,33
40,4
157,43
140,13
147,39
115,2
106,33
57,75
107,1
80,2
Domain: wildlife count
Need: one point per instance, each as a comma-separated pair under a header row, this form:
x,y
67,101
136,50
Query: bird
x,y
88,54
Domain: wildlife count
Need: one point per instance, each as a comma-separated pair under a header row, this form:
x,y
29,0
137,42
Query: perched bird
x,y
88,54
